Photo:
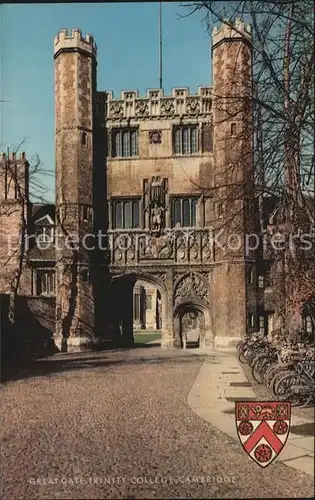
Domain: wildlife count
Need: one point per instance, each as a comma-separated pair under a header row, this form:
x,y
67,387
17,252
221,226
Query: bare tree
x,y
21,182
283,129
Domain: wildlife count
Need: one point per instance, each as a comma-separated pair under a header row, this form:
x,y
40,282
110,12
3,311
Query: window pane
x,y
127,215
42,283
117,215
193,212
178,141
207,137
194,140
117,145
186,140
176,213
186,213
51,276
134,143
126,143
46,282
135,215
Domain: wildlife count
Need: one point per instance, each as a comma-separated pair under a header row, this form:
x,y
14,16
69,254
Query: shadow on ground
x,y
307,429
229,411
18,369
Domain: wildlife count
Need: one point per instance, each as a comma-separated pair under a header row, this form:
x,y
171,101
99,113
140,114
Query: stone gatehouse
x,y
154,180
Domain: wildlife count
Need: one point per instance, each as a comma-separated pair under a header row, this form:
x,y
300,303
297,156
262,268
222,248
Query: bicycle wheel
x,y
239,346
253,351
257,373
258,370
242,355
258,359
271,371
282,385
255,358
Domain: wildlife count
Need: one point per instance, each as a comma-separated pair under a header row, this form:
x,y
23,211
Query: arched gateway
x,y
156,175
124,305
185,306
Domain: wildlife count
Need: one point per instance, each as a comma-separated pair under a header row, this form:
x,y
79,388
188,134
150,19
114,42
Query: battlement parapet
x,y
156,105
230,29
13,157
74,39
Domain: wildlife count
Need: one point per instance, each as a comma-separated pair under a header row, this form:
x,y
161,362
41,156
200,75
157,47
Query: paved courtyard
x,y
117,425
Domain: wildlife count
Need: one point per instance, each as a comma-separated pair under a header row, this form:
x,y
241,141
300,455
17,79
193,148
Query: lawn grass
x,y
144,338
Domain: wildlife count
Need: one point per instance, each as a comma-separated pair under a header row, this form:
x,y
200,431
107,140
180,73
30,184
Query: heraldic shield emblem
x,y
263,428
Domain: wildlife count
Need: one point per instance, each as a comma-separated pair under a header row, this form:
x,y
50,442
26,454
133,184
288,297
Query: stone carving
x,y
206,275
192,106
131,252
157,204
157,218
167,107
156,105
192,287
154,94
206,246
155,136
155,248
206,105
179,275
161,277
116,109
200,288
130,95
194,246
142,108
179,247
183,290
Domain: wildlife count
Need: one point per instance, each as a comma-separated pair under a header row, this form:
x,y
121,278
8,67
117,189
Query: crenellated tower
x,y
14,217
232,99
75,90
233,174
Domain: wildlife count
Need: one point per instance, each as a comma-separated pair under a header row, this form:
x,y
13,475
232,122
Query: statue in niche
x,y
157,218
157,203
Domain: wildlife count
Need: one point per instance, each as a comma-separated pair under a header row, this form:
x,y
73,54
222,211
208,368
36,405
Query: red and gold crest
x,y
263,428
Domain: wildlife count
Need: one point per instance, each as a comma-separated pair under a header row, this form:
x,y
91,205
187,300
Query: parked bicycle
x,y
297,384
288,371
249,347
268,357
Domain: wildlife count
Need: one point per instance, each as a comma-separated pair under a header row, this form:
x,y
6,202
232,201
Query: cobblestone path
x,y
116,425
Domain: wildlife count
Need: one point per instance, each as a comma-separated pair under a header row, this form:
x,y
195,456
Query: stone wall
x,y
33,328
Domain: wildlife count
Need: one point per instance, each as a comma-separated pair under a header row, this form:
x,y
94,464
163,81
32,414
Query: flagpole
x,y
160,44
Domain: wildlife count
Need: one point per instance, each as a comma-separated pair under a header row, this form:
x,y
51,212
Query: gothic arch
x,y
158,279
180,309
204,320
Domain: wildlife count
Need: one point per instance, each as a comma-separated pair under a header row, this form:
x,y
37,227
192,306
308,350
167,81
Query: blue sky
x,y
127,41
